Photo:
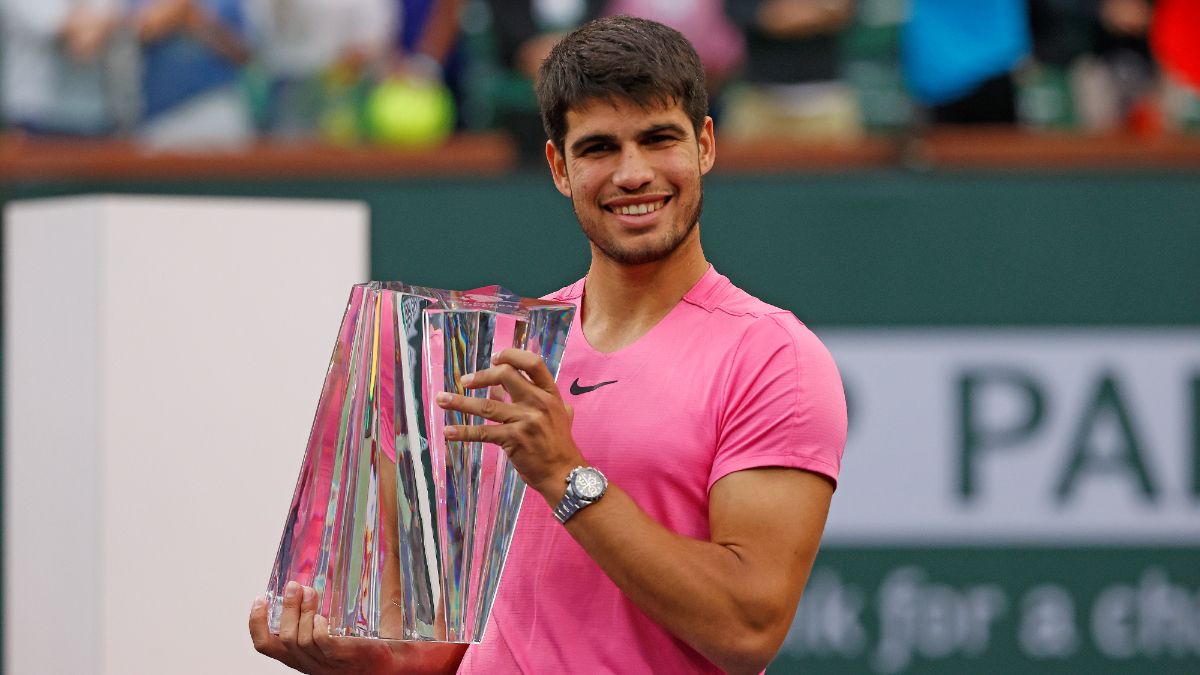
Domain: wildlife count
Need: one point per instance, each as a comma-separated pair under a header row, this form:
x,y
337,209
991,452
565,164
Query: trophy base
x,y
426,634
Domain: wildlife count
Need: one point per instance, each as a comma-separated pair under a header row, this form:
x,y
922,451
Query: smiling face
x,y
633,175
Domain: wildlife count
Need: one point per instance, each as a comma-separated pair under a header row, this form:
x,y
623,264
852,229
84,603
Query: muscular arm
x,y
731,598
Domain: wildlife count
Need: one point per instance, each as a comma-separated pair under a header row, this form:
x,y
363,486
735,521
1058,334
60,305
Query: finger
x,y
289,617
476,433
304,631
323,642
289,625
518,386
487,408
331,649
531,364
260,634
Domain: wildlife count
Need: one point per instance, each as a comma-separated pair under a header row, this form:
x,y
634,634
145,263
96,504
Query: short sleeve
x,y
783,403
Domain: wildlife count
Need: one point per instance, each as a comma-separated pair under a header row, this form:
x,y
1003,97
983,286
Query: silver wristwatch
x,y
586,485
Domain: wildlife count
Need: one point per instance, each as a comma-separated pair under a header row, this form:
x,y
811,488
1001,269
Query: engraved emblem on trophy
x,y
402,533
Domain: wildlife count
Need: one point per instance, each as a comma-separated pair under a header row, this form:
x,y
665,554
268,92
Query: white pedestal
x,y
163,359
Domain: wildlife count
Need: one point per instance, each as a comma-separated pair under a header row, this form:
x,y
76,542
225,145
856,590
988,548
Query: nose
x,y
633,170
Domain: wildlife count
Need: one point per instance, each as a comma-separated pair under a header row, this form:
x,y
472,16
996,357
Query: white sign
x,y
1009,436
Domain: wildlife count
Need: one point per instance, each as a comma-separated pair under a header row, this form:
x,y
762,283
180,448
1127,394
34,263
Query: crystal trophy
x,y
402,533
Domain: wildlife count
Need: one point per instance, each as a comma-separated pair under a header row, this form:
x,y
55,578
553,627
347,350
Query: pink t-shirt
x,y
724,382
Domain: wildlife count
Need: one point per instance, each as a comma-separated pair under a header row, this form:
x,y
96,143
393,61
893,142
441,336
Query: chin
x,y
642,253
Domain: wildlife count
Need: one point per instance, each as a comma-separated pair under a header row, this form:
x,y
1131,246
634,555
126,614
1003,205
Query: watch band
x,y
569,506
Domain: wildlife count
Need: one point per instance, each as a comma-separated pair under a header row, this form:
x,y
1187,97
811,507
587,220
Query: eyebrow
x,y
609,138
666,126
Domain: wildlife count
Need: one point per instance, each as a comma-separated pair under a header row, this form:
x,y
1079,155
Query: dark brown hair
x,y
615,58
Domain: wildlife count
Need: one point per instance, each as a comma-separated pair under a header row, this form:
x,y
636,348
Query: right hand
x,y
304,643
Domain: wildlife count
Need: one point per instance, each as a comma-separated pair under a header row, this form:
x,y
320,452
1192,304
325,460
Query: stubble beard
x,y
641,254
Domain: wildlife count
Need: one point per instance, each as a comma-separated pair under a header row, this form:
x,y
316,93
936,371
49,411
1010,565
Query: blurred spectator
x,y
791,80
427,45
958,58
718,42
524,31
1103,48
320,58
191,54
312,54
57,78
1116,82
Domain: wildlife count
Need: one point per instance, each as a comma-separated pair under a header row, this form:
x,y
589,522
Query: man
x,y
192,54
718,420
792,84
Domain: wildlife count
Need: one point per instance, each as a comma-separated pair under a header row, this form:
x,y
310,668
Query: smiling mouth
x,y
639,209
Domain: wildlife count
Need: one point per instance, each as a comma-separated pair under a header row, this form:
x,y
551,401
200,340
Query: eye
x,y
595,149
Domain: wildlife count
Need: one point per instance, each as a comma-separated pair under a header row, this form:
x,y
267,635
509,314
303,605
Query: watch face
x,y
589,484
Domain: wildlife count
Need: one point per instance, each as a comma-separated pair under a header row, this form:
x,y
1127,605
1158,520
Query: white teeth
x,y
639,209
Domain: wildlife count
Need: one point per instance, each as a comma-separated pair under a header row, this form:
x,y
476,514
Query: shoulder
x,y
570,293
717,294
779,347
763,326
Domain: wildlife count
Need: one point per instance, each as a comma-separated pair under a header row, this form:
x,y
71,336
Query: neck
x,y
623,302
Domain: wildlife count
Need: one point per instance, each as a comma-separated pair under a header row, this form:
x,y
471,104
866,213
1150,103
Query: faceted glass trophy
x,y
403,534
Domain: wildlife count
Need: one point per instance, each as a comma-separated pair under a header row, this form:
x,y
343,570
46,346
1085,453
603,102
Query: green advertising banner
x,y
1001,609
1011,500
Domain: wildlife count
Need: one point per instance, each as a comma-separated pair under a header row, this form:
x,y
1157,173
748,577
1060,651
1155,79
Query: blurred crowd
x,y
213,74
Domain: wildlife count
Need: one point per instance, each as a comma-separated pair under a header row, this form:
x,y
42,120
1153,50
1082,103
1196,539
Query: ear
x,y
707,142
558,169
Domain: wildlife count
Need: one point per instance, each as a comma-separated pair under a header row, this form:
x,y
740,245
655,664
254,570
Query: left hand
x,y
304,643
533,425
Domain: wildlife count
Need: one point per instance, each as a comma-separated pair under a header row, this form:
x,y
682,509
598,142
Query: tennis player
x,y
685,462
